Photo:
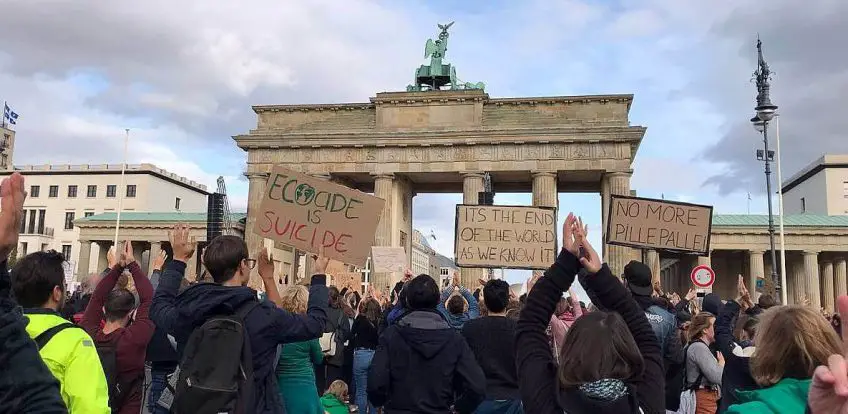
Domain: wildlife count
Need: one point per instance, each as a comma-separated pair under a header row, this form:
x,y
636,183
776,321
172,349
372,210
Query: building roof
x,y
92,169
166,217
826,161
790,220
444,261
419,238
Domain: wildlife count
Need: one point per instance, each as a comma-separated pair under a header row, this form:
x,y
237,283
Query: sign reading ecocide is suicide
x,y
505,236
306,212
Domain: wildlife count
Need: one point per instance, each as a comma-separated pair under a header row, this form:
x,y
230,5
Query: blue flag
x,y
10,115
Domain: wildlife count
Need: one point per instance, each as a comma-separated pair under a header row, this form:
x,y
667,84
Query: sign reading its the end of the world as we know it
x,y
659,224
306,213
513,237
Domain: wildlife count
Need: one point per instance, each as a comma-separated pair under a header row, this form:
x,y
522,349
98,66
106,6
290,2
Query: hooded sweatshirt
x,y
787,396
267,325
458,320
332,405
421,363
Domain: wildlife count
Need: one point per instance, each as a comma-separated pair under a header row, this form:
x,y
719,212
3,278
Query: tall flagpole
x,y
121,189
3,124
783,290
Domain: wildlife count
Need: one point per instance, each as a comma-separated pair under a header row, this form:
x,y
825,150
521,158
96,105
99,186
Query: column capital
x,y
323,176
542,173
627,173
756,251
811,252
256,175
471,174
84,241
384,176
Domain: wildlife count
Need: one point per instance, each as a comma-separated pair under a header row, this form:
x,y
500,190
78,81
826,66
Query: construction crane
x,y
222,189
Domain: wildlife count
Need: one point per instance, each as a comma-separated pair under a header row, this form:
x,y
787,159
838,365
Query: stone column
x,y
472,185
84,259
757,269
828,297
255,193
102,260
155,250
545,194
811,274
384,188
652,259
605,201
618,256
841,278
191,268
799,286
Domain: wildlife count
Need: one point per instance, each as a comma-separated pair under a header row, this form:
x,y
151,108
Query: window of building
x,y
43,247
803,205
111,190
131,190
72,191
177,204
41,214
845,189
69,220
34,190
23,251
54,191
66,251
31,226
23,222
91,191
88,214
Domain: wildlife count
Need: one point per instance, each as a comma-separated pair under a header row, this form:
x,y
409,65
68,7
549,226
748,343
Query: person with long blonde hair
x,y
295,375
703,370
791,342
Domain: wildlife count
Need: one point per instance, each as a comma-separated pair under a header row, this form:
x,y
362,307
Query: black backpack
x,y
216,369
119,388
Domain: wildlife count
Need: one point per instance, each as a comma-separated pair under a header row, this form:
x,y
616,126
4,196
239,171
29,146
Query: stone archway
x,y
402,143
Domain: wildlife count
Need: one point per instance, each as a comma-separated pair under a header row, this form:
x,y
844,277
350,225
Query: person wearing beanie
x,y
639,281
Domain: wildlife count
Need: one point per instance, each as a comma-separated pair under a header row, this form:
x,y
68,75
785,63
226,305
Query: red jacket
x,y
133,340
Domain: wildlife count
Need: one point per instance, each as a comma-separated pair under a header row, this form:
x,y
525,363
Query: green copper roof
x,y
167,217
791,220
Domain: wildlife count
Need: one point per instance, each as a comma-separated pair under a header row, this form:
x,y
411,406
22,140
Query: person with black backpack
x,y
226,338
122,341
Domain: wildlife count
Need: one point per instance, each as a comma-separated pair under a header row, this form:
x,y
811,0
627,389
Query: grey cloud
x,y
803,44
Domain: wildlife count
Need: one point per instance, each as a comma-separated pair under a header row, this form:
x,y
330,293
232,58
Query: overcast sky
x,y
183,76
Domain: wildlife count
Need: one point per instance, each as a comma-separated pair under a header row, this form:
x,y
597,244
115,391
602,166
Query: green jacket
x,y
332,405
73,360
787,396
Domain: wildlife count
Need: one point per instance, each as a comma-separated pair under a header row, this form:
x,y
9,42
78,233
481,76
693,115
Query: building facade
x,y
7,148
446,268
59,195
819,188
422,253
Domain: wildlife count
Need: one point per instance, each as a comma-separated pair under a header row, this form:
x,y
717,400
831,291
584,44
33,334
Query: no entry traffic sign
x,y
702,276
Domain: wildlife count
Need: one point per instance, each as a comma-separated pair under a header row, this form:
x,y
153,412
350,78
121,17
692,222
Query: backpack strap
x,y
693,386
43,338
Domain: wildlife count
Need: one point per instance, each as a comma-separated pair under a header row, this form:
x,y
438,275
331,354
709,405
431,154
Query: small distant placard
x,y
513,237
659,224
350,280
388,259
335,267
307,212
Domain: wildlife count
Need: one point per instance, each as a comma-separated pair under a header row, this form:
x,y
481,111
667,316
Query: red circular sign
x,y
702,276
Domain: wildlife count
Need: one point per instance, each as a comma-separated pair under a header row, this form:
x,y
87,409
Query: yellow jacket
x,y
72,358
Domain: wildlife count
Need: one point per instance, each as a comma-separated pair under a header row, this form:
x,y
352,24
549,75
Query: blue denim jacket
x,y
663,323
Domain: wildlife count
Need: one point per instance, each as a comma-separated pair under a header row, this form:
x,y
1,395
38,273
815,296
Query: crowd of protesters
x,y
129,343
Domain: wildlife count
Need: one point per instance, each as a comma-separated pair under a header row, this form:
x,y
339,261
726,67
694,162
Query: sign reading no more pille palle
x,y
307,212
659,224
513,237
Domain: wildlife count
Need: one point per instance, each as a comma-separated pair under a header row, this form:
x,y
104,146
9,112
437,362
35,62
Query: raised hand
x,y
182,244
321,262
159,262
407,275
111,258
568,238
12,196
265,264
590,259
829,389
127,255
691,295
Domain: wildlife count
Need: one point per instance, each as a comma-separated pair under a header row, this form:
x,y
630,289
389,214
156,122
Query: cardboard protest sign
x,y
306,212
388,259
514,237
659,224
350,280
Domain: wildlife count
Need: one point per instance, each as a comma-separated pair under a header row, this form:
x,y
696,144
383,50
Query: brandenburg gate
x,y
429,139
403,143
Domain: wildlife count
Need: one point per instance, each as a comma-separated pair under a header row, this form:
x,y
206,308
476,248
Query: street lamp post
x,y
765,113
